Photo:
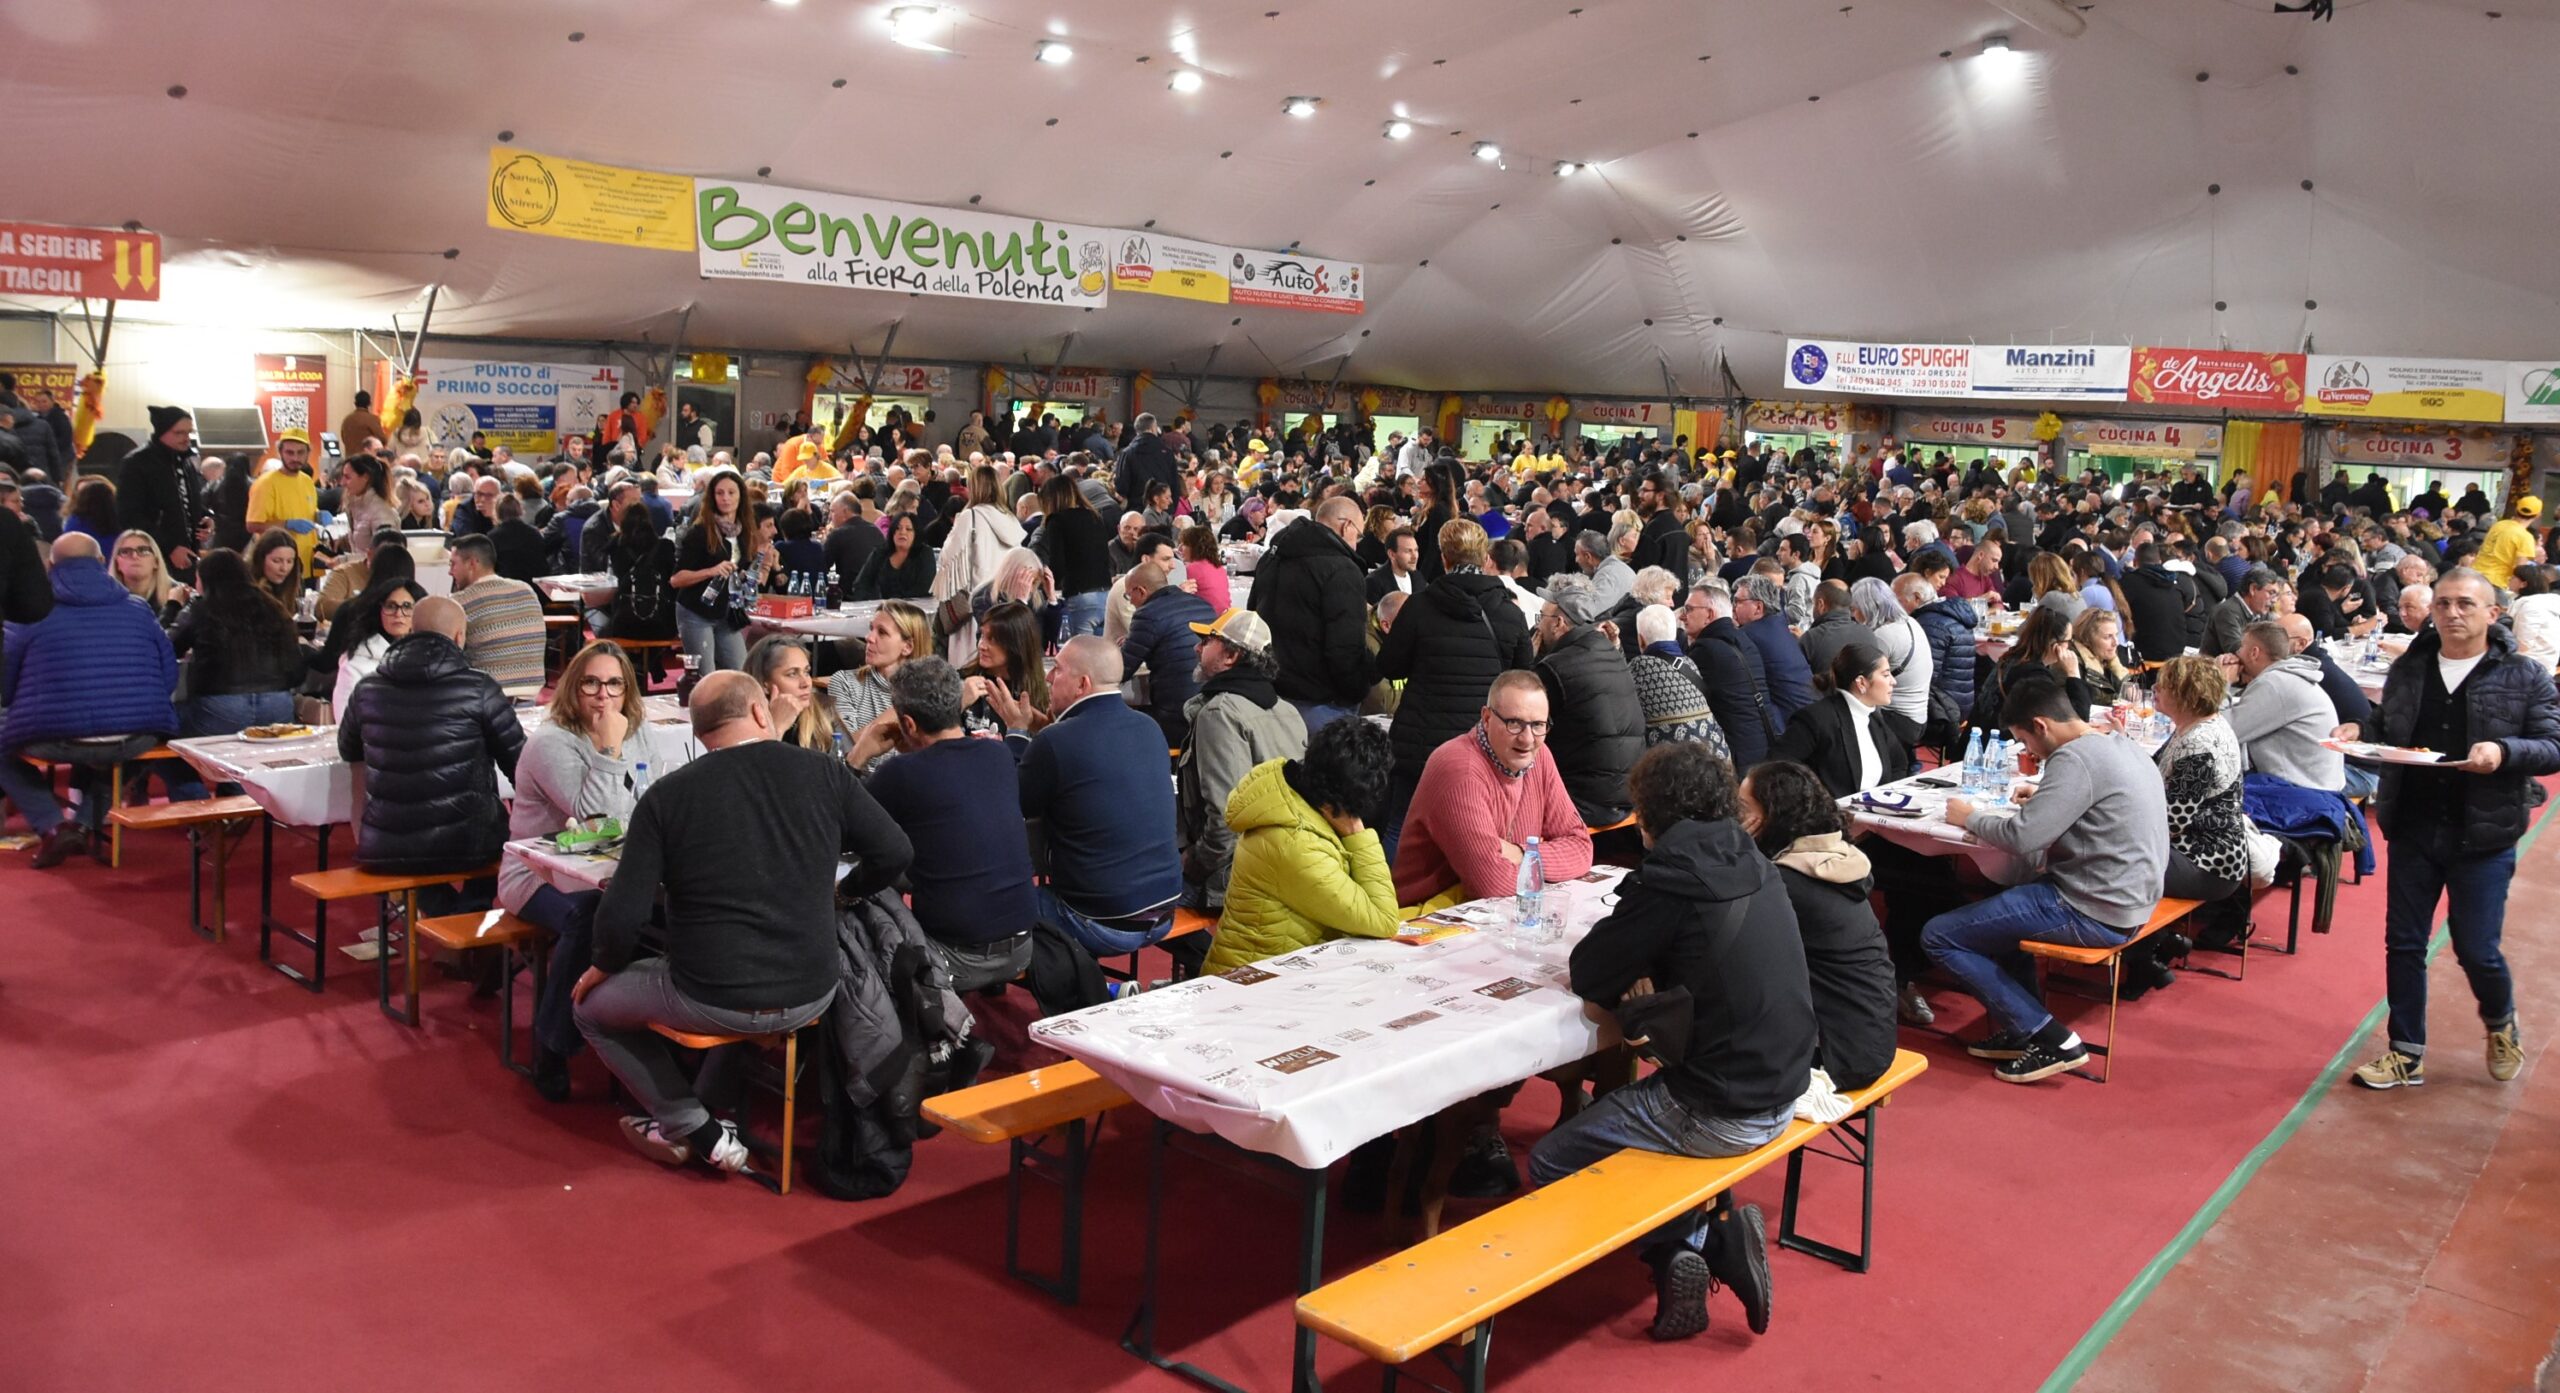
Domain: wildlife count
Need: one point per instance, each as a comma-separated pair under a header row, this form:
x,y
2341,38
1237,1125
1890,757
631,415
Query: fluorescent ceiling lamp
x,y
1566,169
1300,107
1398,130
1487,151
1998,56
916,26
1185,80
1052,51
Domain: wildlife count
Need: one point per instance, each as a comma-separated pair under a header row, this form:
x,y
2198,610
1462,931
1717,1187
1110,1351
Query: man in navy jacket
x,y
1099,781
1162,641
97,665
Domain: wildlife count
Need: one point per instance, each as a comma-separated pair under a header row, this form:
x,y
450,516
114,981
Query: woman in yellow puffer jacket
x,y
1307,866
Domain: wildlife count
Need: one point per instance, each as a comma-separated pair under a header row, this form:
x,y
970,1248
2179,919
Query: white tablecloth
x,y
303,783
568,590
1306,1056
844,621
2368,676
564,871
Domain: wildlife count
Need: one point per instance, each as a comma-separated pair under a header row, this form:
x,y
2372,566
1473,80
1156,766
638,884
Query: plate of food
x,y
2384,754
284,731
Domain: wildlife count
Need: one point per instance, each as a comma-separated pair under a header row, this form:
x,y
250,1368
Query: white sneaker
x,y
729,1153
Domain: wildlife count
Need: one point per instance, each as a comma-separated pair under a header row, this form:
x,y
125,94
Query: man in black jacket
x,y
1148,460
2160,600
1308,588
744,841
1597,720
2464,691
1661,542
1729,669
1706,914
158,491
433,733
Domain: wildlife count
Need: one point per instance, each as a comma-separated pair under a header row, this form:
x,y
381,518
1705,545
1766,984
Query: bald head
x,y
1093,658
76,546
439,614
1337,510
2297,628
729,709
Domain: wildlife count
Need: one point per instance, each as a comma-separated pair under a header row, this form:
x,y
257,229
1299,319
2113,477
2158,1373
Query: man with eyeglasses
x,y
1482,796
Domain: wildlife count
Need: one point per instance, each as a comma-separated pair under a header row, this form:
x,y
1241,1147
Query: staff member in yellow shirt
x,y
2509,544
803,456
288,497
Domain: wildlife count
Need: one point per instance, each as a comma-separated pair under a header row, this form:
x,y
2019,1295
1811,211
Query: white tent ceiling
x,y
326,153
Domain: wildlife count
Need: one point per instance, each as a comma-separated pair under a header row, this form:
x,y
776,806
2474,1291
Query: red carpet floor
x,y
224,1182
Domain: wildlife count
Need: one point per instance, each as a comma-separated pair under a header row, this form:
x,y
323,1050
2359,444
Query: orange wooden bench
x,y
115,795
789,1042
1024,1110
350,883
521,940
1451,1287
2166,913
198,818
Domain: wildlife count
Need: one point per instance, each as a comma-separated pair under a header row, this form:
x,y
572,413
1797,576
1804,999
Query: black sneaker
x,y
1680,1284
1999,1044
1485,1170
2041,1062
58,845
550,1074
1742,1260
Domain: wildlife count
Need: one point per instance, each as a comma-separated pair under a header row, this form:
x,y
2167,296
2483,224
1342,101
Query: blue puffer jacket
x,y
1949,624
97,665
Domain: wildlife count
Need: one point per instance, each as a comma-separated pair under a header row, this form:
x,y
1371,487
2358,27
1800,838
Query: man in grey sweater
x,y
2100,820
2280,711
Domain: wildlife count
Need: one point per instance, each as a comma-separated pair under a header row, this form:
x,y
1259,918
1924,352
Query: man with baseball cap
x,y
288,496
1237,721
2510,544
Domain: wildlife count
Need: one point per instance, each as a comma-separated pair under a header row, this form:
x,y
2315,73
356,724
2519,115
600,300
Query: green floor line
x,y
2139,1290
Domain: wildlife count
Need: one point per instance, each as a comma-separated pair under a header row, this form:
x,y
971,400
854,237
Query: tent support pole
x,y
675,350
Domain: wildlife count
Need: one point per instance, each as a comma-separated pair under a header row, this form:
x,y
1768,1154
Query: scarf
x,y
1484,743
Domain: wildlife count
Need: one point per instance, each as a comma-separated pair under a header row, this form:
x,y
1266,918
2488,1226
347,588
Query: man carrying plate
x,y
2463,691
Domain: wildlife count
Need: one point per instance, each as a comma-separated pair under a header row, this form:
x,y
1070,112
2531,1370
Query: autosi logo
x,y
1809,364
1296,275
2346,383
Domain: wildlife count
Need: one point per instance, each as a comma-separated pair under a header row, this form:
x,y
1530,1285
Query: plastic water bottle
x,y
1995,776
639,782
1528,897
1970,778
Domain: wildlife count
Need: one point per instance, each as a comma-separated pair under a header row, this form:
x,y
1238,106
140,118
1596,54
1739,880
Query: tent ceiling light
x,y
1566,169
1185,80
1487,151
1300,107
1997,43
1052,51
916,26
1398,130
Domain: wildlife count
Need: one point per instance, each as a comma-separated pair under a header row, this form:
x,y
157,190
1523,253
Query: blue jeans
x,y
1979,944
1318,716
2425,866
1645,1116
1085,612
2362,781
572,922
1100,939
32,789
234,712
721,648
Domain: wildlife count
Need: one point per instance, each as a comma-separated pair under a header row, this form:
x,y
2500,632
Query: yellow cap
x,y
300,436
2528,507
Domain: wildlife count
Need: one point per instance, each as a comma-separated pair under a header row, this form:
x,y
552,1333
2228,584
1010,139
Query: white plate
x,y
2382,754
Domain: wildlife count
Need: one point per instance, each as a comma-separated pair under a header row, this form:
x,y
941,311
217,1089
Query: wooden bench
x,y
1023,1110
1186,922
2166,913
351,883
115,789
219,817
1450,1288
521,940
789,1042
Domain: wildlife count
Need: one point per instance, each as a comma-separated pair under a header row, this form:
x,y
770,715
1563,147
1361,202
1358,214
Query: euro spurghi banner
x,y
757,232
589,202
2533,392
523,406
2406,389
1881,369
1146,264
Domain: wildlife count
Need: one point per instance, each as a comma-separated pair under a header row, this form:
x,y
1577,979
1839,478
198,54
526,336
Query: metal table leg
x,y
1140,1336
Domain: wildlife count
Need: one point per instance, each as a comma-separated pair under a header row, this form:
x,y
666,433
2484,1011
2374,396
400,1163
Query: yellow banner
x,y
589,202
1150,265
2405,389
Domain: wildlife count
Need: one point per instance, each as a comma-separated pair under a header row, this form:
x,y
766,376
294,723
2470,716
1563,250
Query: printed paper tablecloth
x,y
1308,1055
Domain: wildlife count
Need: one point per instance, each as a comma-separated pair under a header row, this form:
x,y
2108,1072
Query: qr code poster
x,y
289,413
293,390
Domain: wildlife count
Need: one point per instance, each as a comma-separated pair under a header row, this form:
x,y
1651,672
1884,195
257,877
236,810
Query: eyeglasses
x,y
594,685
133,551
1536,730
400,607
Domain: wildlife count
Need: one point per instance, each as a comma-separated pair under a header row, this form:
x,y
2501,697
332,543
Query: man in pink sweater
x,y
1482,796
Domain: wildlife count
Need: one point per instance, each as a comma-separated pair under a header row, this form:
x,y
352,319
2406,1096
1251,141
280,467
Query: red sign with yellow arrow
x,y
97,263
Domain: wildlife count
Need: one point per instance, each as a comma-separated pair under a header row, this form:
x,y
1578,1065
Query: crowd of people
x,y
1684,661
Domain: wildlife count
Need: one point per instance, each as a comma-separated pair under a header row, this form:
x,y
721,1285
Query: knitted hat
x,y
163,417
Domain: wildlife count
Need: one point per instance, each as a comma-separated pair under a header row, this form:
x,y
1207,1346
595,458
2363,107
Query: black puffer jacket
x,y
2160,600
2508,699
1948,622
1598,721
433,734
1310,589
1448,644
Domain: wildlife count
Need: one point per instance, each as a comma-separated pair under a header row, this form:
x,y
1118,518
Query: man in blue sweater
x,y
1098,779
960,802
1759,609
87,684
